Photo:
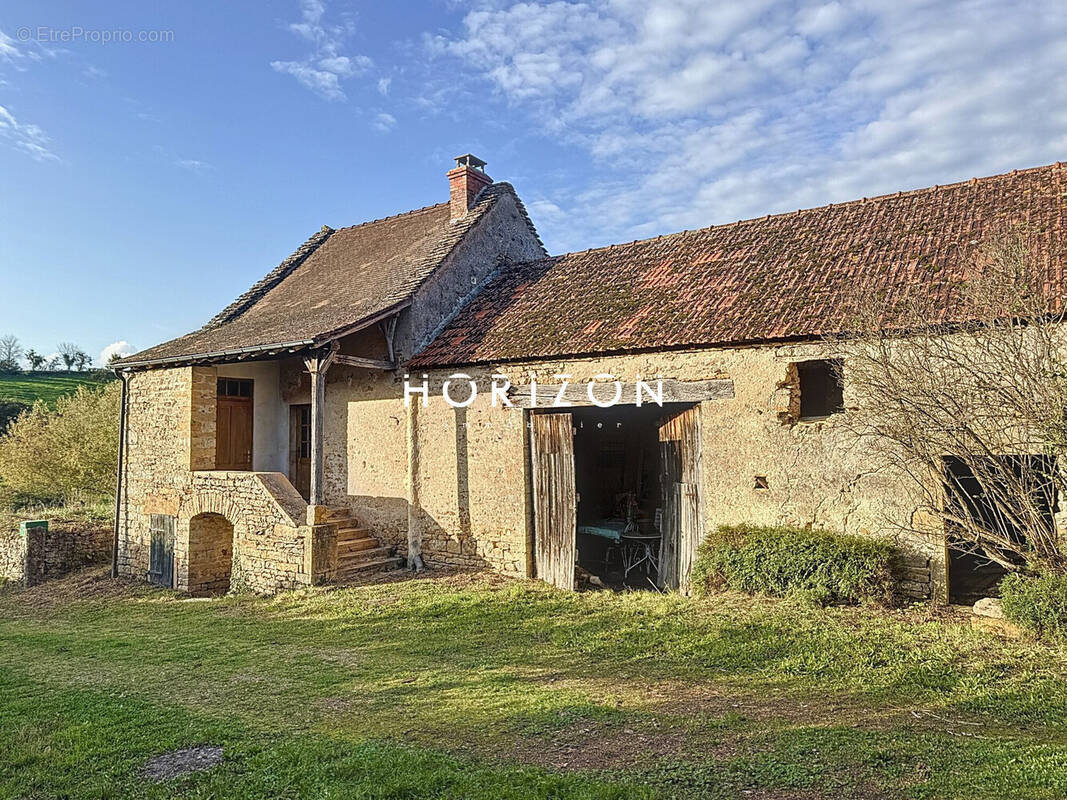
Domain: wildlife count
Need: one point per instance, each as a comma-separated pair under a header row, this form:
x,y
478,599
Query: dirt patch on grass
x,y
177,763
456,578
91,583
585,747
334,705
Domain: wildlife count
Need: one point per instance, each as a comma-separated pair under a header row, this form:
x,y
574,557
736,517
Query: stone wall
x,y
160,432
12,556
209,554
915,574
502,236
467,500
270,545
471,477
43,552
170,451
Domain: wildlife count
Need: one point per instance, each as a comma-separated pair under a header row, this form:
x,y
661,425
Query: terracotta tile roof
x,y
334,281
778,278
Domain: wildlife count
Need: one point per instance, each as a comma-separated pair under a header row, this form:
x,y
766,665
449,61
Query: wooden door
x,y
555,513
233,425
300,449
161,550
679,444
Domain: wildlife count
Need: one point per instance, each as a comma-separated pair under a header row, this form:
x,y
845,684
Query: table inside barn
x,y
635,549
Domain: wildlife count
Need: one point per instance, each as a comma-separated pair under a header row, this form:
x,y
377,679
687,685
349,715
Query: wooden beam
x,y
577,393
365,363
317,365
389,331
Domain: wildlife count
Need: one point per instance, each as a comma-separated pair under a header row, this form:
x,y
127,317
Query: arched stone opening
x,y
210,554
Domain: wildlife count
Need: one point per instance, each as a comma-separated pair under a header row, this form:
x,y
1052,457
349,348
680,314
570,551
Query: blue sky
x,y
147,183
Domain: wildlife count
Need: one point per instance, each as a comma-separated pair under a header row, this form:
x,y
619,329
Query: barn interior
x,y
972,574
617,479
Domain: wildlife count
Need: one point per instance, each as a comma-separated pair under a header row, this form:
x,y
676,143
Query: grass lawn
x,y
48,386
460,686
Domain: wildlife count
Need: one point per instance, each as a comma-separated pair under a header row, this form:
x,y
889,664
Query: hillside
x,y
48,386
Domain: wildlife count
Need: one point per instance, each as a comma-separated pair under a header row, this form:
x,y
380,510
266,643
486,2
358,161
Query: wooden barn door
x,y
233,425
300,448
679,447
554,499
161,550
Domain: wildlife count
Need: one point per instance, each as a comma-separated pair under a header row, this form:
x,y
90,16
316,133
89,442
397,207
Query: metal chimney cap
x,y
468,160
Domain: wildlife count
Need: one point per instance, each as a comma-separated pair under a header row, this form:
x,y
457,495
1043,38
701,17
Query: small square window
x,y
230,387
761,482
821,388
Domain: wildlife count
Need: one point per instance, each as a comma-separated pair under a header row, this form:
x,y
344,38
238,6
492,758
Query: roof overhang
x,y
265,351
276,350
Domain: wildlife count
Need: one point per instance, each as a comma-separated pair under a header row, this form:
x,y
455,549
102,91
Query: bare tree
x,y
10,353
68,351
963,390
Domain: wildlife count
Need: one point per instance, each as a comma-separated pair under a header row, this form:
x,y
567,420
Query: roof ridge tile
x,y
393,216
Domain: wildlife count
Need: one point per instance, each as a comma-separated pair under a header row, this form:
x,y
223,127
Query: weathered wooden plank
x,y
679,436
365,363
162,529
577,393
552,461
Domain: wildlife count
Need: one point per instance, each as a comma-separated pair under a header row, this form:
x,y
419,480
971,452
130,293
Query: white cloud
x,y
10,52
326,66
22,136
384,122
696,113
25,137
121,348
193,165
383,86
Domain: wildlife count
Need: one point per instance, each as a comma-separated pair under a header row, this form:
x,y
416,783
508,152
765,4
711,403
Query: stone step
x,y
353,532
356,545
338,514
363,567
370,554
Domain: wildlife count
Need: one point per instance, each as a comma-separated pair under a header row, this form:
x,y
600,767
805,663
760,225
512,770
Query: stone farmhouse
x,y
416,389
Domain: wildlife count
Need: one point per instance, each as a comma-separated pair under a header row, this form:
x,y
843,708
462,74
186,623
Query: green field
x,y
459,686
29,387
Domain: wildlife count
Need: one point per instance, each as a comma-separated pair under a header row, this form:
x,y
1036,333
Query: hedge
x,y
1038,604
824,566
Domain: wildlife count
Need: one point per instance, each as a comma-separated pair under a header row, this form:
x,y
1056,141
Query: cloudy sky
x,y
156,162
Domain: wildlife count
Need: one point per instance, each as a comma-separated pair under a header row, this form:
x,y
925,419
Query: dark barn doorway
x,y
616,491
972,574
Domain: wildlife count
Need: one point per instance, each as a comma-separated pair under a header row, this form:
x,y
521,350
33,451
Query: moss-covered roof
x,y
777,278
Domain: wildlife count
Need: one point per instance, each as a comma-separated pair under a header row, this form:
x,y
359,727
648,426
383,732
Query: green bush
x,y
1038,604
9,410
823,566
55,455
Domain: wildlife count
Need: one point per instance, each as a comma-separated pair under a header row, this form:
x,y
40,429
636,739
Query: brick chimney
x,y
465,180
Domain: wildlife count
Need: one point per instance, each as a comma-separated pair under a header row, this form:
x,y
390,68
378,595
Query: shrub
x,y
824,566
1038,604
9,410
53,455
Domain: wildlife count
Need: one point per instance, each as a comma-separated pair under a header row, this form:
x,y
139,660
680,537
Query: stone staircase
x,y
358,551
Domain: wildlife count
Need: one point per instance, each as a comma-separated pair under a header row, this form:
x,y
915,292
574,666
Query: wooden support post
x,y
415,562
317,365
